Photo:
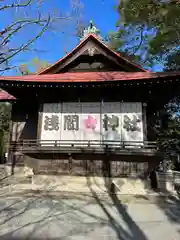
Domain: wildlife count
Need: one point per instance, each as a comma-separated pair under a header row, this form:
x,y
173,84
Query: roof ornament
x,y
91,29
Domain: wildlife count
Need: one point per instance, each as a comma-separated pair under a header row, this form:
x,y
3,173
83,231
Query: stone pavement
x,y
49,211
44,217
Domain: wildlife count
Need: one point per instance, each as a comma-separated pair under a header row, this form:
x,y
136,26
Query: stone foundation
x,y
19,171
86,172
123,185
168,181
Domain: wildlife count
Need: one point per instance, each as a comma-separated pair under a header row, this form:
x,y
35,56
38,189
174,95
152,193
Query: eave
x,y
6,97
86,77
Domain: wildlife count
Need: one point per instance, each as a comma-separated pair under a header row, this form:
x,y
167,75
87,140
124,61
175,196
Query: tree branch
x,y
26,22
140,43
13,29
2,71
14,5
24,46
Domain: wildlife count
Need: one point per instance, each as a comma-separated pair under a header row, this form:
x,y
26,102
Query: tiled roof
x,y
6,96
91,77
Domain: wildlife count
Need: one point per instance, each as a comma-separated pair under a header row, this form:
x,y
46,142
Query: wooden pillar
x,y
9,150
144,118
40,114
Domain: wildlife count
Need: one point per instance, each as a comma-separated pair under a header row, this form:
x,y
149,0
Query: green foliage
x,y
168,128
149,29
24,69
2,150
5,115
163,16
173,61
149,32
35,66
132,42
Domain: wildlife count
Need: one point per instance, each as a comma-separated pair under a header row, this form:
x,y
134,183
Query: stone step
x,y
14,180
69,179
75,183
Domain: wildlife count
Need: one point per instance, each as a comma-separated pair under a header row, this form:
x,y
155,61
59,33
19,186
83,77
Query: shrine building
x,y
92,113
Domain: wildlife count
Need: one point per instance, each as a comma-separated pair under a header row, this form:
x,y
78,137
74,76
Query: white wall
x,y
86,121
50,111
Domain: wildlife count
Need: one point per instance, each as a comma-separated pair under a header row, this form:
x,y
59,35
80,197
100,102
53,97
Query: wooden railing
x,y
43,144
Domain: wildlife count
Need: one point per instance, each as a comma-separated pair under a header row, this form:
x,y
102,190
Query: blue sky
x,y
103,14
54,44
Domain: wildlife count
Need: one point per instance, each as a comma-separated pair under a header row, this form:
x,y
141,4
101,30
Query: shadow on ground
x,y
25,219
133,232
171,207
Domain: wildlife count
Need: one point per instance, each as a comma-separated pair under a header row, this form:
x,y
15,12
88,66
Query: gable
x,y
96,63
92,55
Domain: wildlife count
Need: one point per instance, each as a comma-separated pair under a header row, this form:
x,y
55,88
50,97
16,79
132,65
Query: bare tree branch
x,y
23,46
26,22
39,20
15,5
7,69
30,21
